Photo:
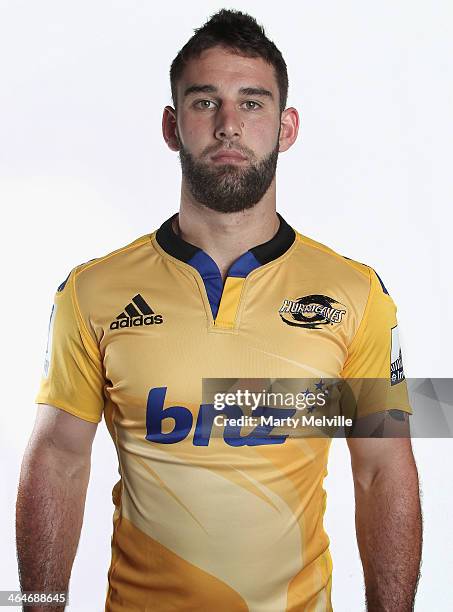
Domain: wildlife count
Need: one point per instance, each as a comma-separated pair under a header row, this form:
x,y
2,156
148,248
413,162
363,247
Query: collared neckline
x,y
179,248
215,288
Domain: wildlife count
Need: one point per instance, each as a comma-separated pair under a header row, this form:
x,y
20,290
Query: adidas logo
x,y
137,312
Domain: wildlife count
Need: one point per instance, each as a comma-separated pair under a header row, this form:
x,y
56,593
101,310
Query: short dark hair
x,y
243,35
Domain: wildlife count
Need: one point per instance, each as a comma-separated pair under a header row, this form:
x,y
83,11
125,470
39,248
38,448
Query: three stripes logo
x,y
137,312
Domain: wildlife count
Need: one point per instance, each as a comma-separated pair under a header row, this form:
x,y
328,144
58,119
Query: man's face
x,y
228,104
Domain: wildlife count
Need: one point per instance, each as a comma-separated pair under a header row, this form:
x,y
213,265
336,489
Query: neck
x,y
226,236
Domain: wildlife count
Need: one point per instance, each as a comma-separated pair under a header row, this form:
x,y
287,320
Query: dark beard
x,y
228,188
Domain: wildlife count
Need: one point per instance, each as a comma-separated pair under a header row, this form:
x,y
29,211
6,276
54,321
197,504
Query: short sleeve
x,y
72,377
375,354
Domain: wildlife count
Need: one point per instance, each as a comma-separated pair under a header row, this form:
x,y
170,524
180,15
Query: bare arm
x,y
388,519
51,499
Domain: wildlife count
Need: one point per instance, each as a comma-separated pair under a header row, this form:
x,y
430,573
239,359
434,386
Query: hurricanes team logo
x,y
311,311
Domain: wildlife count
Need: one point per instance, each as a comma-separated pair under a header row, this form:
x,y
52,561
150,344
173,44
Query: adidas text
x,y
137,321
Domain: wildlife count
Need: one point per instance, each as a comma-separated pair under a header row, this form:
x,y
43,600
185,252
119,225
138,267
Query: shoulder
x,y
107,265
342,267
329,256
109,261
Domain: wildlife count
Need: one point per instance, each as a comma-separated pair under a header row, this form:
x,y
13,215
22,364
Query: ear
x,y
289,128
169,128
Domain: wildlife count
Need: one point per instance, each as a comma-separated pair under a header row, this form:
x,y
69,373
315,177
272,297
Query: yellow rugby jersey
x,y
207,523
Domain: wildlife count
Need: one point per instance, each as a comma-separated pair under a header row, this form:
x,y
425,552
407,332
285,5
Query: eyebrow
x,y
245,91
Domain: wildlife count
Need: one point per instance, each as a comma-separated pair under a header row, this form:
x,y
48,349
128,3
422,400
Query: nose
x,y
228,124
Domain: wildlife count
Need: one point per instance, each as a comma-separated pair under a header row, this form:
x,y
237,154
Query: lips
x,y
228,156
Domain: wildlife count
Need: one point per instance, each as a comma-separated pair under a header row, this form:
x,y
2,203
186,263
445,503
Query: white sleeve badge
x,y
396,359
49,342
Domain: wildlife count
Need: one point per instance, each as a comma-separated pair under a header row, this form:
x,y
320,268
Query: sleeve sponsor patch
x,y
396,359
49,342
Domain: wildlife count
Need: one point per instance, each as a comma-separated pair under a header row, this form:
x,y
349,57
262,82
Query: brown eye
x,y
255,105
203,104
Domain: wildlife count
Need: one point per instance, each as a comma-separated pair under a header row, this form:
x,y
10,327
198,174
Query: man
x,y
225,289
